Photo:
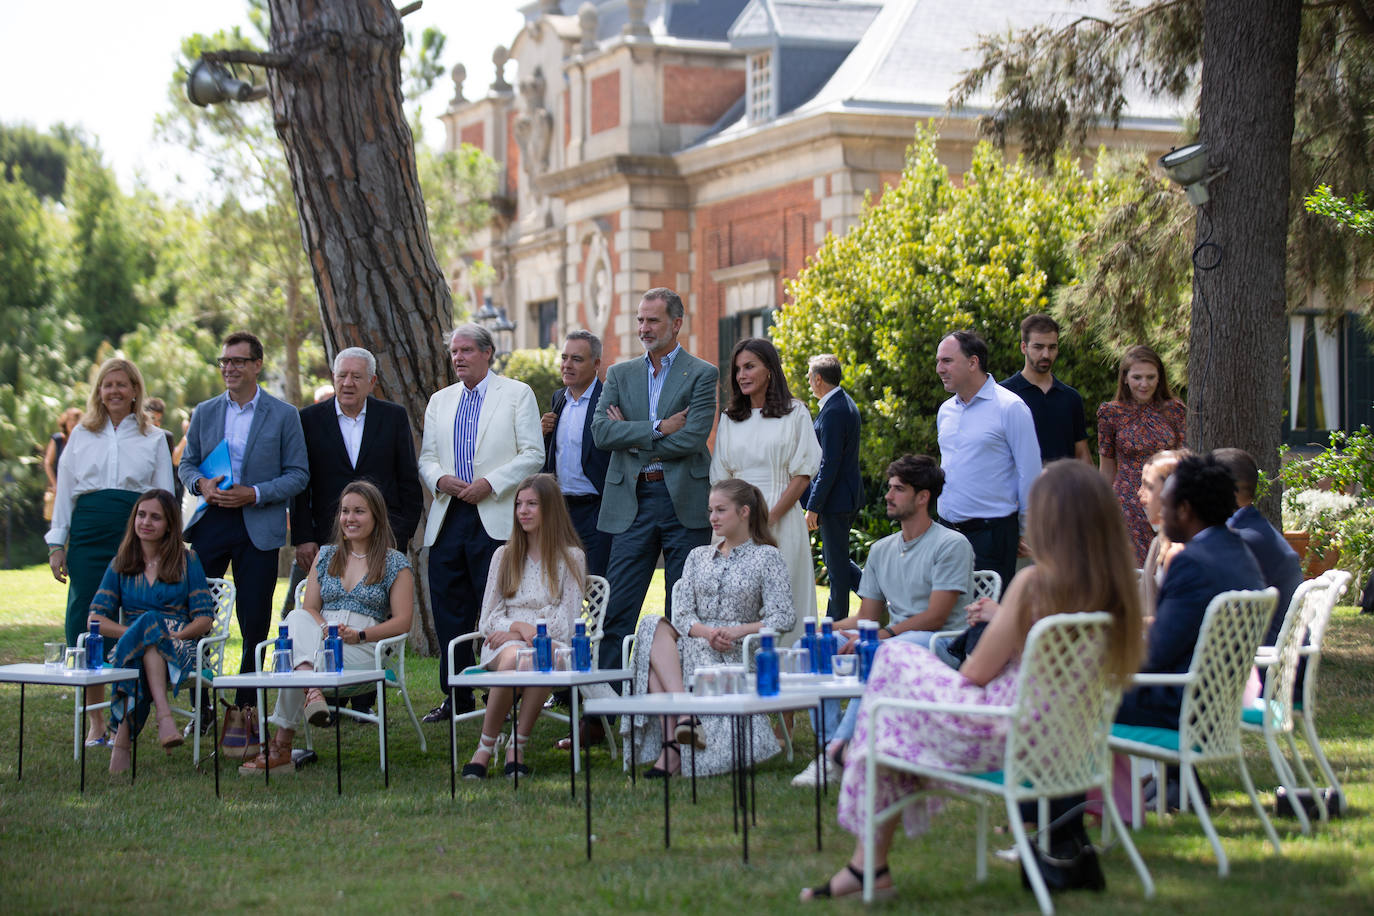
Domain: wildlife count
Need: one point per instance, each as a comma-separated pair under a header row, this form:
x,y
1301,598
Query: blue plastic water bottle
x,y
808,642
543,646
766,662
281,653
333,644
95,648
868,647
825,646
582,647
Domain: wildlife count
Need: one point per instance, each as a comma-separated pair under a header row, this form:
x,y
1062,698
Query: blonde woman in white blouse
x,y
112,457
539,573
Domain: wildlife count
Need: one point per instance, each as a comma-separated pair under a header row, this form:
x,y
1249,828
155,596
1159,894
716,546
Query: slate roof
x,y
697,20
795,21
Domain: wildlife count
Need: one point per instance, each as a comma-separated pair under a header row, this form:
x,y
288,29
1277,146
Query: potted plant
x,y
1328,504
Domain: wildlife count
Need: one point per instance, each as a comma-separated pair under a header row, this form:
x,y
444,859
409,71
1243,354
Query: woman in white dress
x,y
766,438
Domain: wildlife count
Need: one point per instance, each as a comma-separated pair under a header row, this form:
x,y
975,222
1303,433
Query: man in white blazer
x,y
481,438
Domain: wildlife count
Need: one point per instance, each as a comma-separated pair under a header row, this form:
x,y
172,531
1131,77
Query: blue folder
x,y
216,464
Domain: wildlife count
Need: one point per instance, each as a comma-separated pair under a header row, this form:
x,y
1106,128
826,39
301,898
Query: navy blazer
x,y
386,458
594,460
1278,561
837,486
1216,560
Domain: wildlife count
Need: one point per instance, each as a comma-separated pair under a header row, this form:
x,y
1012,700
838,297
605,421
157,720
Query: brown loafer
x,y
316,709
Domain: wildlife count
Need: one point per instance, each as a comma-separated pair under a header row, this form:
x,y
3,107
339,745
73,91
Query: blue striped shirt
x,y
656,389
465,429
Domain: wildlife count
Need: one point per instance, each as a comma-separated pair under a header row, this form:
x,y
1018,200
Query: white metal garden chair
x,y
1210,715
1272,713
1056,744
209,663
987,583
1305,712
389,655
595,597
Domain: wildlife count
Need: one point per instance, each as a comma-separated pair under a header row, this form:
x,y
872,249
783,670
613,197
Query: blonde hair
x,y
556,535
1084,560
96,414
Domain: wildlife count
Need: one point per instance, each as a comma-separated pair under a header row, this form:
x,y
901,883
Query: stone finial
x,y
636,26
498,59
459,74
550,6
587,22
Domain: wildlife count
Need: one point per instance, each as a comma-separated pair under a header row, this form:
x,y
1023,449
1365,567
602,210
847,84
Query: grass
x,y
167,844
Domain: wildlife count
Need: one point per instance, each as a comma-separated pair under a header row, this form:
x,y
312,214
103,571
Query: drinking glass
x,y
796,661
524,659
706,682
74,660
845,666
563,659
324,660
53,655
739,680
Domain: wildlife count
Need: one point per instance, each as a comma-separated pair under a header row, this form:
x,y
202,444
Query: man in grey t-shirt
x,y
922,576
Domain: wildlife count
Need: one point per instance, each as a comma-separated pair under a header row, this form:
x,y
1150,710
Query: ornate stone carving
x,y
587,21
499,58
459,74
534,125
599,284
636,26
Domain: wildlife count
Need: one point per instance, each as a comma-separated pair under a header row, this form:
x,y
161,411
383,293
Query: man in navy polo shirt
x,y
1056,408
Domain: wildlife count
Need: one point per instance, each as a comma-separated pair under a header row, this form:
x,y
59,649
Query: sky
x,y
107,66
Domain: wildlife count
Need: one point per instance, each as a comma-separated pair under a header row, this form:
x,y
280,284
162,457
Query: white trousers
x,y
306,641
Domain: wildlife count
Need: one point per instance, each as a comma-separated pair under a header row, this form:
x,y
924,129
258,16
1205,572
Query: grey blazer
x,y
686,459
274,461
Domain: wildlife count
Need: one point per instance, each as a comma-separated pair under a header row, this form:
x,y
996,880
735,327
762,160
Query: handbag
x,y
1071,863
238,737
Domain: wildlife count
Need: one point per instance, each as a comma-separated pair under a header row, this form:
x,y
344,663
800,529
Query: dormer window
x,y
762,100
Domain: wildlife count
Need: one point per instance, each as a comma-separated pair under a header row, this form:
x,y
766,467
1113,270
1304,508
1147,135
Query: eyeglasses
x,y
238,362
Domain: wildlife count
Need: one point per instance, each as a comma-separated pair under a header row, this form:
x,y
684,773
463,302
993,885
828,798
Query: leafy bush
x,y
538,369
1331,497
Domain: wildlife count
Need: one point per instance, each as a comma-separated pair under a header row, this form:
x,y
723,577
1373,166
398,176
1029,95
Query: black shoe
x,y
364,702
512,767
439,713
474,771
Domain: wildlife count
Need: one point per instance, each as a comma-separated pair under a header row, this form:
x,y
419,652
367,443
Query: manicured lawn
x,y
166,844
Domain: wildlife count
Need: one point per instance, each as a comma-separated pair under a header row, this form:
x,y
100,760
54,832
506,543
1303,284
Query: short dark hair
x,y
920,472
254,345
155,405
671,300
1207,486
591,340
971,345
1039,323
827,367
1242,466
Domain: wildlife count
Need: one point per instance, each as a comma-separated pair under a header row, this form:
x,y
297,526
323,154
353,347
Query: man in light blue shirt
x,y
989,452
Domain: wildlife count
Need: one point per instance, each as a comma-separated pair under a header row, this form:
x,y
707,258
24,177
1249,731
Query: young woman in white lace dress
x,y
726,592
539,573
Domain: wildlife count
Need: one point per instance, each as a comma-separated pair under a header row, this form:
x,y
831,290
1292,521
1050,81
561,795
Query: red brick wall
x,y
778,223
605,113
476,134
699,95
512,155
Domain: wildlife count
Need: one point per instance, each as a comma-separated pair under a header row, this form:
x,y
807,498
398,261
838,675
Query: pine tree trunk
x,y
1238,341
338,111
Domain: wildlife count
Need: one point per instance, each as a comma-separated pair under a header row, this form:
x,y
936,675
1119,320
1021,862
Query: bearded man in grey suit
x,y
654,417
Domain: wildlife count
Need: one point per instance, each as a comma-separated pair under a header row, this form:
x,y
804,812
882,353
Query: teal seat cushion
x,y
391,675
1252,716
474,669
1166,738
207,673
995,777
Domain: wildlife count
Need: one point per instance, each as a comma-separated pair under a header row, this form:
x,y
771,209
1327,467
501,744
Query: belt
x,y
581,499
979,524
649,476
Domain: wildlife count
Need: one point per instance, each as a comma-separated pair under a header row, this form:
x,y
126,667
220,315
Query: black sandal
x,y
879,893
656,772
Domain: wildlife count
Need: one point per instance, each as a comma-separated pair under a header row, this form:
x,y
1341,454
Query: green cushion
x,y
1166,738
1252,716
995,777
1297,706
474,669
207,673
391,675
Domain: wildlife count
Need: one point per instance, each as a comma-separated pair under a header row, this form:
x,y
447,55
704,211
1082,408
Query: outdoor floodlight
x,y
209,83
1187,166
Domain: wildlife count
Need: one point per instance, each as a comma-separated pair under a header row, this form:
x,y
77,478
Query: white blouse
x,y
116,458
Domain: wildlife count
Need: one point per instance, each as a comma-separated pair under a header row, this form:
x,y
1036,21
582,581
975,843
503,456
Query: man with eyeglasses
x,y
244,525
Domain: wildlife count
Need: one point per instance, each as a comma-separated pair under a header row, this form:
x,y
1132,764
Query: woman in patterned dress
x,y
1082,564
727,591
358,582
160,586
1144,418
539,574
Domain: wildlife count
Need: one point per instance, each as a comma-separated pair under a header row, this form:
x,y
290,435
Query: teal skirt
x,y
98,524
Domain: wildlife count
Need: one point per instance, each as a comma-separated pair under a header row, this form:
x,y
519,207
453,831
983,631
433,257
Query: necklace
x,y
358,556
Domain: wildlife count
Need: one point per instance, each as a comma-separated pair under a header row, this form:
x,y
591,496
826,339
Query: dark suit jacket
x,y
1214,561
594,460
837,486
386,458
1278,561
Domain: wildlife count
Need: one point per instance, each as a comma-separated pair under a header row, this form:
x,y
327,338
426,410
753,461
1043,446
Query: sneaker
x,y
812,774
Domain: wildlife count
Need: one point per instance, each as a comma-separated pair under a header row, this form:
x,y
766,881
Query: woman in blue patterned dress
x,y
359,582
160,586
